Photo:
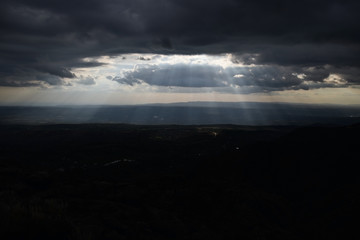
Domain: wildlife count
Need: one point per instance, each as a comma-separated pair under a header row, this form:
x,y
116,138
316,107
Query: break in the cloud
x,y
287,45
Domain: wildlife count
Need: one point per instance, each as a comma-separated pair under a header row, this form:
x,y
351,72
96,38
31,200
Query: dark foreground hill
x,y
179,182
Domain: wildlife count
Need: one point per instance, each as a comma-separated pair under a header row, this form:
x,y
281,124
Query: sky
x,y
140,51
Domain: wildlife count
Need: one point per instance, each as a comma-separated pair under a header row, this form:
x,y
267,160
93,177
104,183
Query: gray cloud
x,y
86,80
181,75
250,78
144,58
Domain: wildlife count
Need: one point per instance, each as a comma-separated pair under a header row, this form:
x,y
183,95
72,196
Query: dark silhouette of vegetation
x,y
104,181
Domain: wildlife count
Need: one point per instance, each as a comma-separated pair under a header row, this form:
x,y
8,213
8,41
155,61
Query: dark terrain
x,y
113,181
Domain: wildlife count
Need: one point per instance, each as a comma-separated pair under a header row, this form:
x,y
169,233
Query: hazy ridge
x,y
245,113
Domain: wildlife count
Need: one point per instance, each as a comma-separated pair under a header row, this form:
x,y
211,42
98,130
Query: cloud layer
x,y
246,79
42,42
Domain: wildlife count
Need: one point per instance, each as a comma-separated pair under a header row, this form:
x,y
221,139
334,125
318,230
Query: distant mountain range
x,y
187,113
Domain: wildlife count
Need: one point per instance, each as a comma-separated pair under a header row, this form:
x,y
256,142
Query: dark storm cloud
x,y
51,37
54,70
303,55
50,79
